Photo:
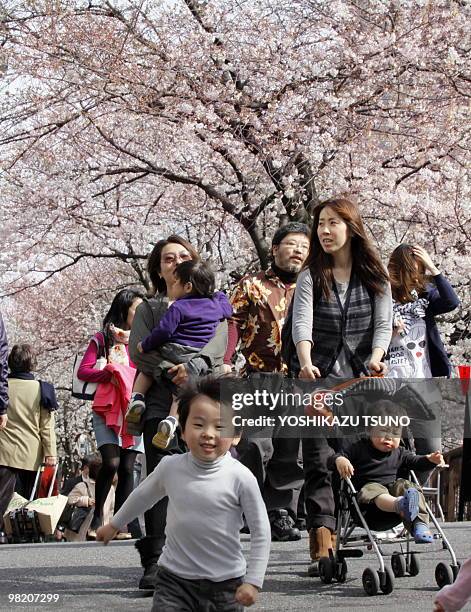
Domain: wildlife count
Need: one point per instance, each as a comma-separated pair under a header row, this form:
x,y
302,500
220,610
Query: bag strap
x,y
87,487
99,340
288,348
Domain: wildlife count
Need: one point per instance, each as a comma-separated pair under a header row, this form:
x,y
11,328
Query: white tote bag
x,y
82,389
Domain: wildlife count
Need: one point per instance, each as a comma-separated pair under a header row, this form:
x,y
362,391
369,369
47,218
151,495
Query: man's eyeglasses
x,y
301,246
172,258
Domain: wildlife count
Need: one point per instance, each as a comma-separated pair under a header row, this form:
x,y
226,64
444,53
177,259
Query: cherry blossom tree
x,y
126,121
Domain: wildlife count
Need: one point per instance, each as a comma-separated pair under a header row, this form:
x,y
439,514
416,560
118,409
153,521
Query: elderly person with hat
x,y
260,303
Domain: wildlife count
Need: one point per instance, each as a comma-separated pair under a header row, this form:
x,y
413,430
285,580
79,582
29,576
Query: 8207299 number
x,y
38,598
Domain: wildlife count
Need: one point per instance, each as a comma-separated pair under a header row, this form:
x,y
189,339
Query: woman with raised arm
x,y
420,292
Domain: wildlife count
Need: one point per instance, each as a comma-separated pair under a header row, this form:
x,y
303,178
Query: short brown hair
x,y
153,263
199,274
22,358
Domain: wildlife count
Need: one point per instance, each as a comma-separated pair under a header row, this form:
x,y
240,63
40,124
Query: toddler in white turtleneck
x,y
208,492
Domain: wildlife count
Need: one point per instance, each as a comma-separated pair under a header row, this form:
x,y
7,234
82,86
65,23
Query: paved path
x,y
93,578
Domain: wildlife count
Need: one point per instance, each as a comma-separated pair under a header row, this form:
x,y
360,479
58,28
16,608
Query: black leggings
x,y
116,460
156,517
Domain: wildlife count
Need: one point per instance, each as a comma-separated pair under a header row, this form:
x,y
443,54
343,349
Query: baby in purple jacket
x,y
187,326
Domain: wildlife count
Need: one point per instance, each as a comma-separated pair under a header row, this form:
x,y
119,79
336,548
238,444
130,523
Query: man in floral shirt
x,y
260,305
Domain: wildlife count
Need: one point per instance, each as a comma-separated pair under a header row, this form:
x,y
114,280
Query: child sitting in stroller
x,y
373,464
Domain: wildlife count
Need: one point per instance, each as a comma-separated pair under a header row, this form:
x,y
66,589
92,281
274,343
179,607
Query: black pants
x,y
277,466
7,488
318,493
156,517
275,461
175,594
115,460
24,482
14,480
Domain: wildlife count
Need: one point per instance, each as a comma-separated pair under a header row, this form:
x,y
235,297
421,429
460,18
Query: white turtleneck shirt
x,y
206,501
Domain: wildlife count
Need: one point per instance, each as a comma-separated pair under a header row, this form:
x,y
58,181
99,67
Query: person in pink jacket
x,y
455,596
112,398
118,457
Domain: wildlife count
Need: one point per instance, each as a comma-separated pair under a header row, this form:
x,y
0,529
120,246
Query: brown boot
x,y
320,541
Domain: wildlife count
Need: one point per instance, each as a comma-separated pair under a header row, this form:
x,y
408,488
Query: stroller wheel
x,y
370,581
455,569
326,570
398,564
443,575
387,582
341,571
414,567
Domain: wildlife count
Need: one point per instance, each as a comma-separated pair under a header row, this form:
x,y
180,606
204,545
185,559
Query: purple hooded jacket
x,y
190,320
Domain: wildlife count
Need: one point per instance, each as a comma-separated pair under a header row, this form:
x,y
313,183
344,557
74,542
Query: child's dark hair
x,y
386,408
94,466
199,274
212,388
118,312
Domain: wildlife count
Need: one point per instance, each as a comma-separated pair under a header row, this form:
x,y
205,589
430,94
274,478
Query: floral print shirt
x,y
260,304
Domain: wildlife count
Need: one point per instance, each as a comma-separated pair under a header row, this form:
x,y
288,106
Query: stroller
x,y
374,524
350,516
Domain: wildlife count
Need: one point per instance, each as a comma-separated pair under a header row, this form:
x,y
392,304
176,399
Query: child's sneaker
x,y
165,432
136,408
408,505
421,533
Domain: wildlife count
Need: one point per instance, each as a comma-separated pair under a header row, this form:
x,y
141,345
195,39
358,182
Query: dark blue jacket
x,y
3,368
442,298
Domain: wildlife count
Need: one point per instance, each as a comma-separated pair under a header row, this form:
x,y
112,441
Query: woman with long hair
x,y
420,293
118,459
163,260
342,306
342,316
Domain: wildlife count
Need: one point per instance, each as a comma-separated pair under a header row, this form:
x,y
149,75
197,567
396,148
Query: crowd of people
x,y
346,315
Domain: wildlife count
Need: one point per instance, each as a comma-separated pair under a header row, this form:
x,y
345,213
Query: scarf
x,y
287,278
409,312
118,353
120,336
48,393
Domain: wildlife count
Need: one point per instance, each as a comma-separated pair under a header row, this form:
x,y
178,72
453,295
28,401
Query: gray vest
x,y
350,326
